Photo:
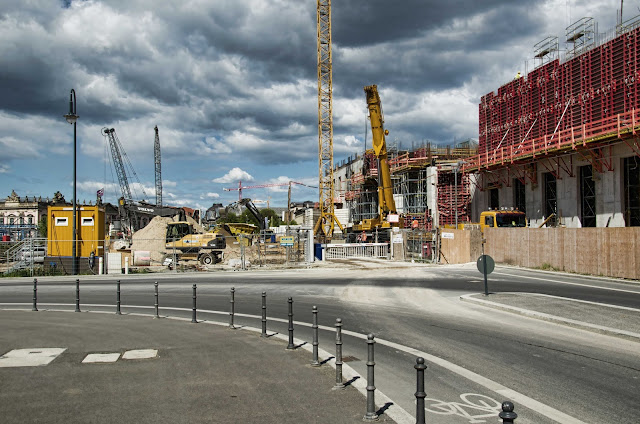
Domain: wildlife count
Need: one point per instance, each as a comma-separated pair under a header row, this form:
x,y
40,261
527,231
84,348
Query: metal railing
x,y
357,250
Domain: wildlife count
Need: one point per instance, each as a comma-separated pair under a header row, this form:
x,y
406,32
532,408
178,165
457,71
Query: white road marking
x,y
101,358
568,283
34,357
140,354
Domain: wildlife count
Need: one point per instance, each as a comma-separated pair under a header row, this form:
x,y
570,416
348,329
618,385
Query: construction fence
x,y
608,252
39,257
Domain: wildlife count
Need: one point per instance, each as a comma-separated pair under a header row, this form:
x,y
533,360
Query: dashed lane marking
x,y
34,357
101,358
140,354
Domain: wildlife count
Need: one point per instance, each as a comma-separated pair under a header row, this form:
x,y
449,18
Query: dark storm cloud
x,y
249,67
380,21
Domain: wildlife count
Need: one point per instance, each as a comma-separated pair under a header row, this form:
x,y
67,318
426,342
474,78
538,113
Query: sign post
x,y
486,265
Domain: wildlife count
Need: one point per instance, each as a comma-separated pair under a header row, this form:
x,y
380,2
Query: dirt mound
x,y
152,238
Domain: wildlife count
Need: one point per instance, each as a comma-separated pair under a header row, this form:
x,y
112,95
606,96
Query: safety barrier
x,y
357,250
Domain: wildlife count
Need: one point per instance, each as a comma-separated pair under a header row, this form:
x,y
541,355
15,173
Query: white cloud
x,y
211,196
234,175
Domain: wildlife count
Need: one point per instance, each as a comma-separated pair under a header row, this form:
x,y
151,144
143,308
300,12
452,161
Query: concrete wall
x,y
608,184
611,252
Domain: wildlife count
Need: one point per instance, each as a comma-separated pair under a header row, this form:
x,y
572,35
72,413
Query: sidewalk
x,y
202,373
600,318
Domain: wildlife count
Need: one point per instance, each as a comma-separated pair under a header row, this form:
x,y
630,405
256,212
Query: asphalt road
x,y
592,378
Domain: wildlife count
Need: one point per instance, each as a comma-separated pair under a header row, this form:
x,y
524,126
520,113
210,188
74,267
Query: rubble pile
x,y
152,238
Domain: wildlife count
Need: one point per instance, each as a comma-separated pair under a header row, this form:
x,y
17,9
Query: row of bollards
x,y
507,415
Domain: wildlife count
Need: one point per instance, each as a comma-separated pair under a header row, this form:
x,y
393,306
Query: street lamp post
x,y
71,118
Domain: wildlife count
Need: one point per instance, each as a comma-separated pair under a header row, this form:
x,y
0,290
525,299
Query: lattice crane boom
x,y
158,162
325,224
118,163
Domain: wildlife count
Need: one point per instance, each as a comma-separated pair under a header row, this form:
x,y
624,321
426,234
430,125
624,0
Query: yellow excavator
x,y
189,242
387,217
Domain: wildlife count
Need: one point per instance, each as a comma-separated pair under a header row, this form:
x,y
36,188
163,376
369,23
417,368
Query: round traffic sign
x,y
490,264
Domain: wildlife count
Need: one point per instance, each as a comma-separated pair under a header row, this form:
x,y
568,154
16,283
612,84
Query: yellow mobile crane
x,y
387,214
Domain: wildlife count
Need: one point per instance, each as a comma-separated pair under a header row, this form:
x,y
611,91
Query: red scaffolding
x,y
583,103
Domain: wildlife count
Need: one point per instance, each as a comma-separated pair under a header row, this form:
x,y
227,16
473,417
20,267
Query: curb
x,y
635,337
395,412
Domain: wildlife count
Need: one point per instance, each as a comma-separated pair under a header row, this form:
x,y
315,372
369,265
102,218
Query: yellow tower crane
x,y
326,223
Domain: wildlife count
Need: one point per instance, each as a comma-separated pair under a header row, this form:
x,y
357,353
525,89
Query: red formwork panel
x,y
630,69
558,97
451,195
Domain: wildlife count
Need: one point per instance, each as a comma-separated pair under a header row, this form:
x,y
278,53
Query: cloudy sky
x,y
231,85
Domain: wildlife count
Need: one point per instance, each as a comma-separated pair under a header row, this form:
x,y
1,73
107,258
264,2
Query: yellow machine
x,y
496,218
502,219
387,214
207,247
188,243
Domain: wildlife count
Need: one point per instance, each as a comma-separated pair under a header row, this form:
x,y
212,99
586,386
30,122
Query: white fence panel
x,y
357,250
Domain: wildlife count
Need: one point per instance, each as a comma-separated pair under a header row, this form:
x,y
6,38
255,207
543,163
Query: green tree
x,y
42,227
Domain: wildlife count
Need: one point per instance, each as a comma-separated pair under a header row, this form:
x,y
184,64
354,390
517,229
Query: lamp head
x,y
71,117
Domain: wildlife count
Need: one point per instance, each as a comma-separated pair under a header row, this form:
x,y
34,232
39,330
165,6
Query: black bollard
x,y
77,295
156,304
264,314
339,383
507,414
371,388
314,360
233,308
118,312
290,345
193,316
420,393
35,295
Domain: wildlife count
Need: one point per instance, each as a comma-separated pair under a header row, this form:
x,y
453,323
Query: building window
x,y
587,197
30,220
550,199
518,194
1,220
12,221
494,198
632,191
62,222
21,221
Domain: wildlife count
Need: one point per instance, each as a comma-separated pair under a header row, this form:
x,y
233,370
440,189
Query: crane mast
x,y
158,163
327,220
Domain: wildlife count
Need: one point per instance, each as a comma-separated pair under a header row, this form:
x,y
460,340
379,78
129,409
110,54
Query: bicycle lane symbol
x,y
473,408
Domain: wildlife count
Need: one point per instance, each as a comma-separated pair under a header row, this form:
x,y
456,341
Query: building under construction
x,y
428,188
559,143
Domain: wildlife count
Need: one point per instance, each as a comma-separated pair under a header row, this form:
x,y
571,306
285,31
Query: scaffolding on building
x,y
582,104
409,176
454,196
